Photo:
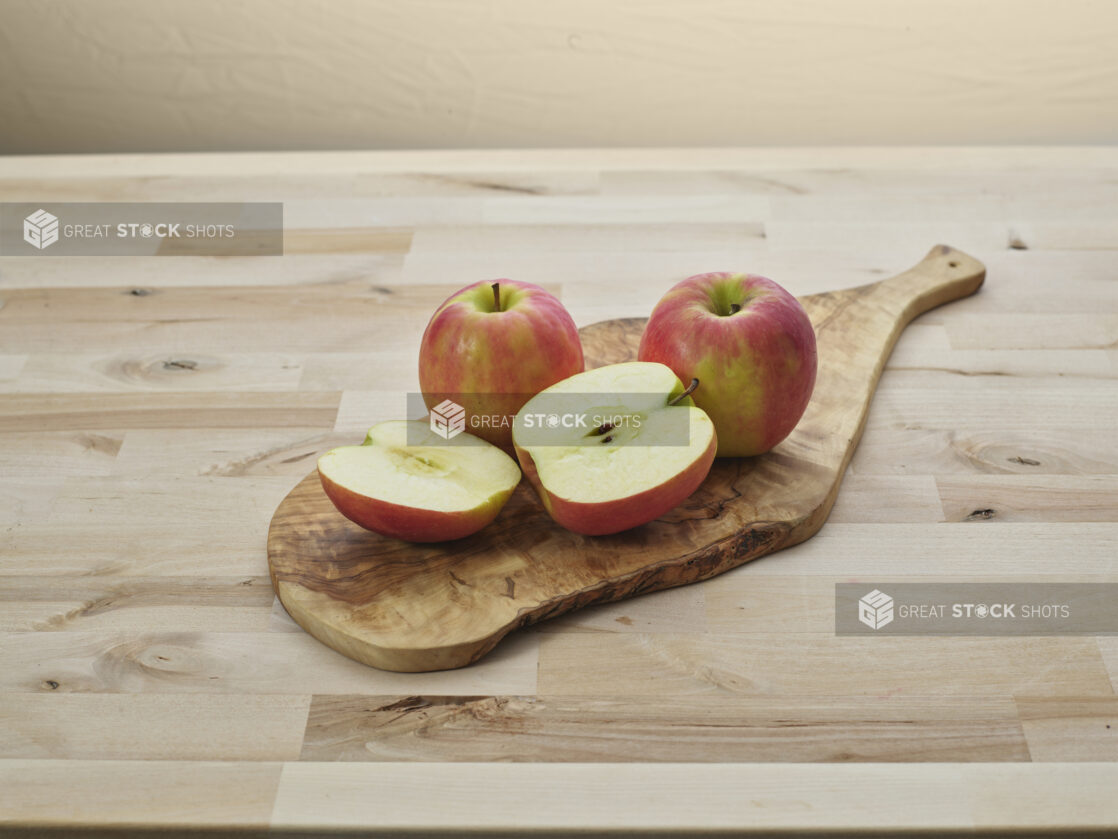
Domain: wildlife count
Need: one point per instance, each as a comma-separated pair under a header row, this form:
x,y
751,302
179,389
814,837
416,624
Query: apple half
x,y
600,478
431,491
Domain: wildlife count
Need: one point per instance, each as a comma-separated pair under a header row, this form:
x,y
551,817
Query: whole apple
x,y
492,346
751,345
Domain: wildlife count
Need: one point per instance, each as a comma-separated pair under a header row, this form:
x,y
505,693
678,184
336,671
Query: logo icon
x,y
40,229
875,610
448,419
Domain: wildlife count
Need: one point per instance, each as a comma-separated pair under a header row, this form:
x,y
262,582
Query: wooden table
x,y
155,411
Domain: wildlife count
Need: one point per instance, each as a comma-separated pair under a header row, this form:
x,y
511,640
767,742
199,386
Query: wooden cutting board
x,y
409,607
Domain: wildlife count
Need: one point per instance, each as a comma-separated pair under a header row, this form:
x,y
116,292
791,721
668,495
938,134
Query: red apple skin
x,y
756,367
490,362
614,516
409,523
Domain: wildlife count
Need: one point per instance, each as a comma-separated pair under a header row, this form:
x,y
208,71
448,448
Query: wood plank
x,y
235,663
30,454
887,498
131,372
583,238
313,165
1030,497
388,369
871,551
50,603
83,412
1070,728
987,404
847,182
10,365
965,206
136,793
127,273
680,609
860,798
701,729
311,318
1029,364
180,504
1108,646
137,548
1044,449
610,209
289,187
1080,235
755,602
1070,797
152,727
224,452
812,665
886,240
1013,331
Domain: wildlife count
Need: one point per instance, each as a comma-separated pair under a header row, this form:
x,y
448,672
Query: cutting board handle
x,y
945,274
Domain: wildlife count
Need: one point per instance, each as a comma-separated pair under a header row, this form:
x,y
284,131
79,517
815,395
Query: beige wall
x,y
109,75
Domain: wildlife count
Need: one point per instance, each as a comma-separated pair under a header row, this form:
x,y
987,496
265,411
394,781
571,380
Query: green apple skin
x,y
491,362
439,469
757,363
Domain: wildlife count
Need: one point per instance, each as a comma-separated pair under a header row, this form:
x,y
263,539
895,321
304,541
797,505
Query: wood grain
x,y
776,728
634,664
169,651
415,608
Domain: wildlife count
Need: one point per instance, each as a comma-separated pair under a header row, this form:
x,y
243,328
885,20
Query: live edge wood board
x,y
407,607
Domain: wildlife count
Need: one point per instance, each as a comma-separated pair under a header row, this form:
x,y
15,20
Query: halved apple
x,y
615,447
430,491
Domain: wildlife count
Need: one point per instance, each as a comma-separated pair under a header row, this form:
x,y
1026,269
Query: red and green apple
x,y
493,345
751,345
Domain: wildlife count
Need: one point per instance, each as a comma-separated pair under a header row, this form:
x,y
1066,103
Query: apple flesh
x,y
751,345
492,346
600,479
431,491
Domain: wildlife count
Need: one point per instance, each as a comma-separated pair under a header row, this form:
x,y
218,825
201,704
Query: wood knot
x,y
408,703
979,515
141,292
51,684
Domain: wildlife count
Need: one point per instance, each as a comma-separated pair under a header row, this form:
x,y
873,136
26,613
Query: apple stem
x,y
496,297
735,308
690,389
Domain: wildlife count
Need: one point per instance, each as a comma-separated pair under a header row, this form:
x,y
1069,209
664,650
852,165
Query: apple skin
x,y
491,362
608,517
756,366
441,468
408,523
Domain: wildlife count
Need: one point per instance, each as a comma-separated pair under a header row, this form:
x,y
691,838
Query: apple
x,y
641,449
429,491
492,346
751,345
